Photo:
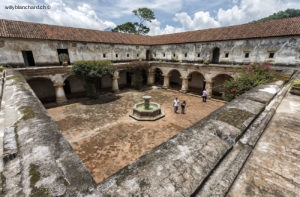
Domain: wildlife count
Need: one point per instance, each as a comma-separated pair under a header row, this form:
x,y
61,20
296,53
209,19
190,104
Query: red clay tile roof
x,y
19,29
275,28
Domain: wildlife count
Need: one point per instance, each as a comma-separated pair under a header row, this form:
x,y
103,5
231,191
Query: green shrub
x,y
250,76
90,71
296,83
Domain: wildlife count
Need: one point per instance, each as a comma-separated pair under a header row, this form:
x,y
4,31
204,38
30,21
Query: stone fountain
x,y
147,110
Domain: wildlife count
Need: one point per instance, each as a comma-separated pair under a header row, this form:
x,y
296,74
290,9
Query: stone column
x,y
166,81
185,84
208,87
115,84
60,93
150,80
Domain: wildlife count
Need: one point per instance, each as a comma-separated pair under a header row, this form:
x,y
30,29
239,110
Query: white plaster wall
x,y
286,50
11,52
45,52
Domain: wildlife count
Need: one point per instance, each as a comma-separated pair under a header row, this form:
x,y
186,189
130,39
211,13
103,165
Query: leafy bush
x,y
90,71
250,76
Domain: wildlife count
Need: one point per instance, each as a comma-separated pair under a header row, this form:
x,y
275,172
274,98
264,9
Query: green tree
x,y
143,14
289,13
90,71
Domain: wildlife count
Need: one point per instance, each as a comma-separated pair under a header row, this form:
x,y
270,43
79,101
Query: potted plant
x,y
64,58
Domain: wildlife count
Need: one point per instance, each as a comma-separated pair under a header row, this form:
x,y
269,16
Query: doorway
x,y
216,55
61,51
28,58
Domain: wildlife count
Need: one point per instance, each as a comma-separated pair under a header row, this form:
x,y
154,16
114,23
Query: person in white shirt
x,y
204,95
176,104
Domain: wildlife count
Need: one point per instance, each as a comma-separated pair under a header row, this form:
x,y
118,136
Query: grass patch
x,y
296,83
35,177
235,117
3,179
28,113
17,79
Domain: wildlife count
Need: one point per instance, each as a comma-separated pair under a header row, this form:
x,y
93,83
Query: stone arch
x,y
175,79
218,85
196,82
158,77
215,55
74,87
44,89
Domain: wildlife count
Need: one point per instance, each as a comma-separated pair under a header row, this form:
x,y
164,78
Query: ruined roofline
x,y
29,30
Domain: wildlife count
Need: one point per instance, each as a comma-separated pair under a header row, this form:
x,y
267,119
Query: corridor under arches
x,y
43,88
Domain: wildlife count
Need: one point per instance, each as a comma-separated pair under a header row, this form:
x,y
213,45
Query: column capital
x,y
58,84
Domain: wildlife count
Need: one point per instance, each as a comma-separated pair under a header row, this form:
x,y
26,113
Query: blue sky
x,y
171,15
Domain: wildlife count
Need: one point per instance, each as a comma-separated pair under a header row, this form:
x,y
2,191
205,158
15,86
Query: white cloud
x,y
201,20
241,12
249,10
81,15
155,28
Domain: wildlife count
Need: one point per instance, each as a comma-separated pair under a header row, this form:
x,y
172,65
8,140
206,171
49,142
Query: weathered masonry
x,y
202,160
30,44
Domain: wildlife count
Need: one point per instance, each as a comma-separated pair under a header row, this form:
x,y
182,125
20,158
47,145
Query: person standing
x,y
204,95
183,105
176,104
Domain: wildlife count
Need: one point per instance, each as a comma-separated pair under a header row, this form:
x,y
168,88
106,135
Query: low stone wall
x,y
202,160
37,159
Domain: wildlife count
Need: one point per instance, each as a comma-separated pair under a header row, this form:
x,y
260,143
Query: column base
x,y
61,100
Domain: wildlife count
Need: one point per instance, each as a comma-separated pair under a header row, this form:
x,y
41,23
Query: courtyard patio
x,y
107,139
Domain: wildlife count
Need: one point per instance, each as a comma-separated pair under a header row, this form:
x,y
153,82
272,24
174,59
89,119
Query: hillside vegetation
x,y
289,13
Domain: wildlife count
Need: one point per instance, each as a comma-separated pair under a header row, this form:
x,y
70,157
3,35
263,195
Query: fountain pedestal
x,y
147,101
147,110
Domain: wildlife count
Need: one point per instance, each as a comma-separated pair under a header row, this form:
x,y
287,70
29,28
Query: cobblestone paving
x,y
107,139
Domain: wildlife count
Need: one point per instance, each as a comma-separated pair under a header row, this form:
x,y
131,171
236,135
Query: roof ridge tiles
x,y
30,30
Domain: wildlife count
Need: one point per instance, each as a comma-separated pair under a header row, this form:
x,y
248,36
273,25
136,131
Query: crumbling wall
x,y
37,159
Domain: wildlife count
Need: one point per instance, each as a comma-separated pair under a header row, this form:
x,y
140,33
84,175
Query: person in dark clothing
x,y
183,105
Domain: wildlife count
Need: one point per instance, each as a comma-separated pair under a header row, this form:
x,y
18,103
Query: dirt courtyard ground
x,y
107,139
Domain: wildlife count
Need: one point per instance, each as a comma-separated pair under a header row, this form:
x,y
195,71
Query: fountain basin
x,y
153,111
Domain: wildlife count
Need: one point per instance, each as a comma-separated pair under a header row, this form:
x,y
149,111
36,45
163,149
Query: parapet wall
x,y
37,159
202,160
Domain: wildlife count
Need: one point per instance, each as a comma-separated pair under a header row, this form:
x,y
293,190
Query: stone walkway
x,y
107,139
273,168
